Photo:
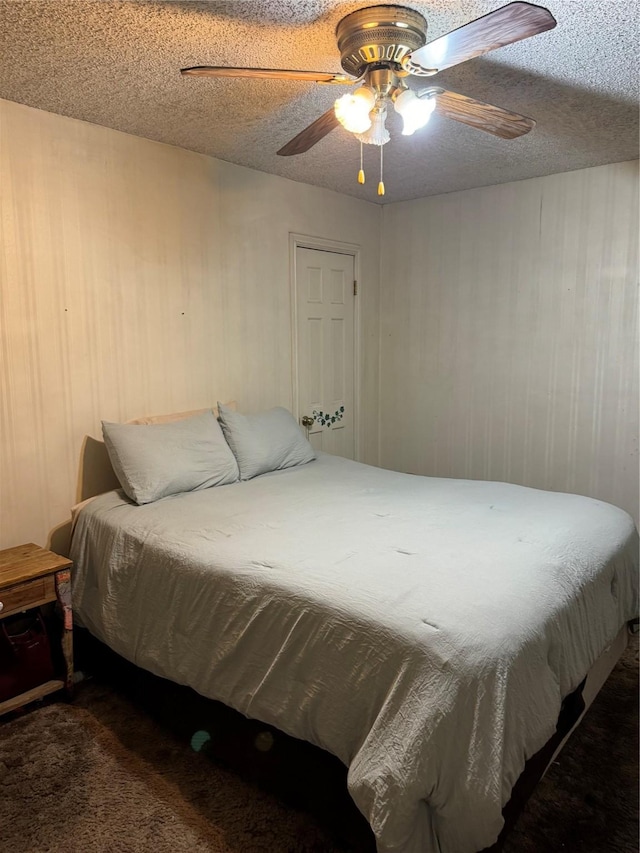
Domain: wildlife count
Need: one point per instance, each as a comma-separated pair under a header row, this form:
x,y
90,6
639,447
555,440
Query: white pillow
x,y
264,442
155,460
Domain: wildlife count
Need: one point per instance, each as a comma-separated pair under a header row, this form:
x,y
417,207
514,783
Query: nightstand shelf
x,y
31,576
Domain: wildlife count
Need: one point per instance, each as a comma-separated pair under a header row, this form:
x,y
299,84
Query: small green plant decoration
x,y
326,419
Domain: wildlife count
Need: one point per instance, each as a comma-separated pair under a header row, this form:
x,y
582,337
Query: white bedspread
x,y
423,630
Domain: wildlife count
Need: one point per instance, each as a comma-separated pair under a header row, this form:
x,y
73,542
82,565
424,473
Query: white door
x,y
325,341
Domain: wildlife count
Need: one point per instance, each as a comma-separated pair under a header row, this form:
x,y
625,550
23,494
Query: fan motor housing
x,y
379,35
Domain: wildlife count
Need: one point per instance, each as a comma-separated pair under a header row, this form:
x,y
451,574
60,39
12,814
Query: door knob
x,y
307,421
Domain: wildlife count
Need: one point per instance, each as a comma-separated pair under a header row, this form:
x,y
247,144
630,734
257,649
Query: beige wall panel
x,y
138,278
509,334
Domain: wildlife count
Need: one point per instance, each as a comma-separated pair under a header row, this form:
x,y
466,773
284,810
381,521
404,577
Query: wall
x,y
509,334
138,278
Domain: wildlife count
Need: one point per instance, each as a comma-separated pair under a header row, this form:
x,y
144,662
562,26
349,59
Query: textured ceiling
x,y
117,64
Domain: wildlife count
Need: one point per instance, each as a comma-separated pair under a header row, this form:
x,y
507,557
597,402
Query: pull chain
x,y
381,184
361,172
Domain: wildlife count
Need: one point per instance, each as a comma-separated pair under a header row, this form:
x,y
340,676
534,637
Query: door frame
x,y
305,241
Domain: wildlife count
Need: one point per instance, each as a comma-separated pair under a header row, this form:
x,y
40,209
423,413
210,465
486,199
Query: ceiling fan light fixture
x,y
415,111
352,110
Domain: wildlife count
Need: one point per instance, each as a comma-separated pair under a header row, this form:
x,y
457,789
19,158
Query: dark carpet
x,y
138,764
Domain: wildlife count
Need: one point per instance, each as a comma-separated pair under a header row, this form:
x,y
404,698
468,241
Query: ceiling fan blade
x,y
495,120
504,26
308,137
267,73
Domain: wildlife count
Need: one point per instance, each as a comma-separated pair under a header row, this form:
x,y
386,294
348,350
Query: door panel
x,y
325,348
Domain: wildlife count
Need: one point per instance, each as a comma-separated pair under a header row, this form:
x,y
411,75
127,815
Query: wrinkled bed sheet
x,y
423,630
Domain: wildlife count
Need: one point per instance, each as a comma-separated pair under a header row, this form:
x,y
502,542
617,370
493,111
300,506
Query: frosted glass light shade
x,y
415,111
377,134
352,110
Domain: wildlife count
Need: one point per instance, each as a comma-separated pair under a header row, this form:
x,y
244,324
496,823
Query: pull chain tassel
x,y
361,172
381,183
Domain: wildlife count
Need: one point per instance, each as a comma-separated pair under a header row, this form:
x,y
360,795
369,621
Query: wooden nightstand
x,y
29,577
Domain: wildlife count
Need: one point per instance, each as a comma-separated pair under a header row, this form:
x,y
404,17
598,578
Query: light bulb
x,y
415,111
352,110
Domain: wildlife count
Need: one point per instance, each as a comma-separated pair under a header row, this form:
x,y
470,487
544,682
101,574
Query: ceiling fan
x,y
380,48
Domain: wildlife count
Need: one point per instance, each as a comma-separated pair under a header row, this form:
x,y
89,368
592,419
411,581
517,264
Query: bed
x,y
425,631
